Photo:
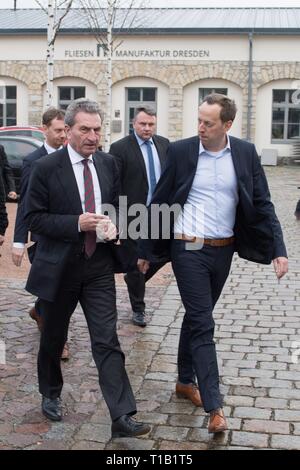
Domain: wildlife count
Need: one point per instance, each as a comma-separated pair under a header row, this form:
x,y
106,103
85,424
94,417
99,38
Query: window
x,y
137,97
203,92
285,115
66,94
8,105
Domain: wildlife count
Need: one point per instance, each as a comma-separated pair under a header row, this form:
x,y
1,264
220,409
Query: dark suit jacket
x,y
132,169
6,171
52,209
21,226
257,230
133,175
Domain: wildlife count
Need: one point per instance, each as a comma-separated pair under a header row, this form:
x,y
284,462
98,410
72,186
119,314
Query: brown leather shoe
x,y
189,391
65,355
35,316
217,421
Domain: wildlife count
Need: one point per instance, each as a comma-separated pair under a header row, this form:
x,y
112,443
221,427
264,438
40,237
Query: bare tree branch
x,y
41,6
105,23
67,9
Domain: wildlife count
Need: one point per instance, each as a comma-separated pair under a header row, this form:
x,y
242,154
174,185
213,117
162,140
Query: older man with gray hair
x,y
64,207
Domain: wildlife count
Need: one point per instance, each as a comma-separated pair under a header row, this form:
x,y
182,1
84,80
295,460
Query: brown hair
x,y
228,106
52,113
144,109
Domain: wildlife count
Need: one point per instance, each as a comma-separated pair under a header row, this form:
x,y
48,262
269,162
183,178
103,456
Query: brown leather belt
x,y
205,241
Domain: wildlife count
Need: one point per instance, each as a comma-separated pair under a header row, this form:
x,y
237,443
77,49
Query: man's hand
x,y
17,255
143,265
12,195
106,230
89,221
280,266
1,239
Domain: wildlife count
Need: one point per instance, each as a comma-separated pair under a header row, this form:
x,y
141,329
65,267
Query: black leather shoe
x,y
51,408
126,426
138,319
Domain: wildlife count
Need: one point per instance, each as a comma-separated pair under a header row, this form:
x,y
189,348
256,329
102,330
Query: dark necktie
x,y
151,167
89,201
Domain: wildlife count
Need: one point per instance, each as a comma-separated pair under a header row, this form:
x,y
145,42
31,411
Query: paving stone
x,y
94,432
256,322
130,444
88,445
271,403
171,432
50,444
294,405
212,440
185,407
239,401
257,373
249,439
262,426
177,446
272,383
285,442
244,412
287,415
187,421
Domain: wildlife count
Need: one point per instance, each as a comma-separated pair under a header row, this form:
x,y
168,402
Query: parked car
x,y
16,148
29,131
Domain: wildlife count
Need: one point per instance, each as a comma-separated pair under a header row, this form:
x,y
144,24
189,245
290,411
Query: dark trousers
x,y
136,281
91,282
200,275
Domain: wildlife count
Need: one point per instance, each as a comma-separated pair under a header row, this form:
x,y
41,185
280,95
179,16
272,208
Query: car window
x,y
16,151
25,132
38,135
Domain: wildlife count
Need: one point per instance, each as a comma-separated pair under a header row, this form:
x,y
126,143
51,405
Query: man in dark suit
x,y
139,176
55,136
66,197
7,175
224,205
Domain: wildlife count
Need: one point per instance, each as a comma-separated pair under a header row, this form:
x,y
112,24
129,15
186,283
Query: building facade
x,y
252,55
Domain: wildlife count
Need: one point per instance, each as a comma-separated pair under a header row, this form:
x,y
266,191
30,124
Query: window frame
x,y
209,91
286,106
63,104
6,101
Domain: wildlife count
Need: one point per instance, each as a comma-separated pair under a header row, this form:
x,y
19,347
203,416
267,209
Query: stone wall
x,y
176,75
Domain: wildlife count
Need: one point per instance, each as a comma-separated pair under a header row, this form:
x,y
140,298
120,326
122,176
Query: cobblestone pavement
x,y
257,322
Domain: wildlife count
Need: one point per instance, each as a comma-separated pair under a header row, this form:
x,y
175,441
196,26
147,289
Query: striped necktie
x,y
89,202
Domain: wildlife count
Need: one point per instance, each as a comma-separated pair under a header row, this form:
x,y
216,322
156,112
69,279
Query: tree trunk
x,y
50,54
109,52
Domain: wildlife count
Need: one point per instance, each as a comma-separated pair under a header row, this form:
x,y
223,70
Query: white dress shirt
x,y
157,165
210,209
77,165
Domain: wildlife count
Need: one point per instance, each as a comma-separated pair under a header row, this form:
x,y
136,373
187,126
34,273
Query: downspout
x,y
250,84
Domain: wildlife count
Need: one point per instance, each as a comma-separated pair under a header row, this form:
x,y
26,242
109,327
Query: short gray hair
x,y
144,109
81,104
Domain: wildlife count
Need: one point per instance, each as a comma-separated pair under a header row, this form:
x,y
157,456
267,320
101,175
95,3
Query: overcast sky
x,y
182,3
